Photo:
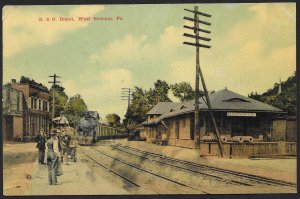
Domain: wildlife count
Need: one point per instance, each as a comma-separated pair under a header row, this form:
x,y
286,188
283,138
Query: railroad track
x,y
177,187
112,171
232,177
191,171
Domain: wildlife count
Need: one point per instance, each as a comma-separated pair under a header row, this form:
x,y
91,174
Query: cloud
x,y
182,70
22,30
116,78
71,87
104,95
81,11
126,50
249,56
136,49
255,52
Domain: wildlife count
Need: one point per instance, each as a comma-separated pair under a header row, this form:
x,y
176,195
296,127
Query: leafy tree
x,y
141,104
255,96
113,119
143,101
183,91
60,100
286,100
160,92
75,108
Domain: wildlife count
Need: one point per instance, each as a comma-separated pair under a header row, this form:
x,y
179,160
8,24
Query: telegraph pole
x,y
54,82
126,94
197,44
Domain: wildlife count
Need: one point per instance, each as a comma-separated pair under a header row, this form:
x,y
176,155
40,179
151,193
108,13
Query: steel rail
x,y
249,176
149,172
189,170
120,175
112,171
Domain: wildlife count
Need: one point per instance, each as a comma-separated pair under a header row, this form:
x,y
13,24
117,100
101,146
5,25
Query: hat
x,y
53,132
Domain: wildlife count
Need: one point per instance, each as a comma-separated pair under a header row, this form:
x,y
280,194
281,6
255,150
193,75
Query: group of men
x,y
54,151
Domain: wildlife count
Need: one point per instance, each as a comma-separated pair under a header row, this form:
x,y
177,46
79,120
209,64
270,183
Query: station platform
x,y
80,178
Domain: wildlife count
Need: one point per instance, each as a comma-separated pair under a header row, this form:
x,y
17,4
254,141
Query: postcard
x,y
148,99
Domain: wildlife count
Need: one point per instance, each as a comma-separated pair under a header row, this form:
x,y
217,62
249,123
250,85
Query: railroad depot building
x,y
235,115
33,106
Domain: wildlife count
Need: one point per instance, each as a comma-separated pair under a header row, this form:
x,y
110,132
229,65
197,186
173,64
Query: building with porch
x,y
235,115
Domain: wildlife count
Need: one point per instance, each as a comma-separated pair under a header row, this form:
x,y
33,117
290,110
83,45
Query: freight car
x,y
107,132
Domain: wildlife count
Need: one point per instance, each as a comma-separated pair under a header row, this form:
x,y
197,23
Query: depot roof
x,y
223,100
162,107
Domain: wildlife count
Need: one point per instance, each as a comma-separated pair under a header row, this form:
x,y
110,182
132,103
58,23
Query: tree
x,y
60,100
113,119
143,101
255,96
141,104
285,101
75,108
160,92
183,91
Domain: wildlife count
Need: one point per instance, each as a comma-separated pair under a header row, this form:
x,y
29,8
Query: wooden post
x,y
126,95
197,94
53,105
199,72
211,113
53,97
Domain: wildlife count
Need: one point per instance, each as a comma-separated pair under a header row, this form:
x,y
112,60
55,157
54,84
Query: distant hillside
x,y
286,100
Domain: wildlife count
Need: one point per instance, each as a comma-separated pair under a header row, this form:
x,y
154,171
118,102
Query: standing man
x,y
41,140
66,145
53,156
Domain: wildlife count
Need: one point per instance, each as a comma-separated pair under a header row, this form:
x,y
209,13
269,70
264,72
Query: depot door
x,y
8,128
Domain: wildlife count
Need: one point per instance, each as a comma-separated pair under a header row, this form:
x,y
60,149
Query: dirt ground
x,y
19,147
17,178
18,161
22,177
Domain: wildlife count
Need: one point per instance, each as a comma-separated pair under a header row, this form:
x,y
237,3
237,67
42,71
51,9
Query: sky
x,y
253,46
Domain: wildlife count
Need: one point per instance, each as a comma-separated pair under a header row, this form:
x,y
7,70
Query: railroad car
x,y
87,128
108,132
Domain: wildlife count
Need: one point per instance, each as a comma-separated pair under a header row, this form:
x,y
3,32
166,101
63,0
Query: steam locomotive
x,y
87,128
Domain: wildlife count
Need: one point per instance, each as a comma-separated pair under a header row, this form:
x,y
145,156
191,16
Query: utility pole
x,y
54,82
197,44
126,94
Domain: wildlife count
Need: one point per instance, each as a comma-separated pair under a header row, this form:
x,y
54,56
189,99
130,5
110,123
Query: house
x,y
36,109
234,114
12,113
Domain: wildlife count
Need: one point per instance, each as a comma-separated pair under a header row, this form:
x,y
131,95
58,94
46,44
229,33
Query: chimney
x,y
13,81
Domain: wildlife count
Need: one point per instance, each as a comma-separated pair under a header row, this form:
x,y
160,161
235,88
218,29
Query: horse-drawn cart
x,y
68,133
72,149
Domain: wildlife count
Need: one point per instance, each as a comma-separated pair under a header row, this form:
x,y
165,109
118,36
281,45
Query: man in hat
x,y
53,156
65,147
41,140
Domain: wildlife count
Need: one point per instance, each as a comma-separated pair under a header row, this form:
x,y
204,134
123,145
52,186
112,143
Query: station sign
x,y
237,114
